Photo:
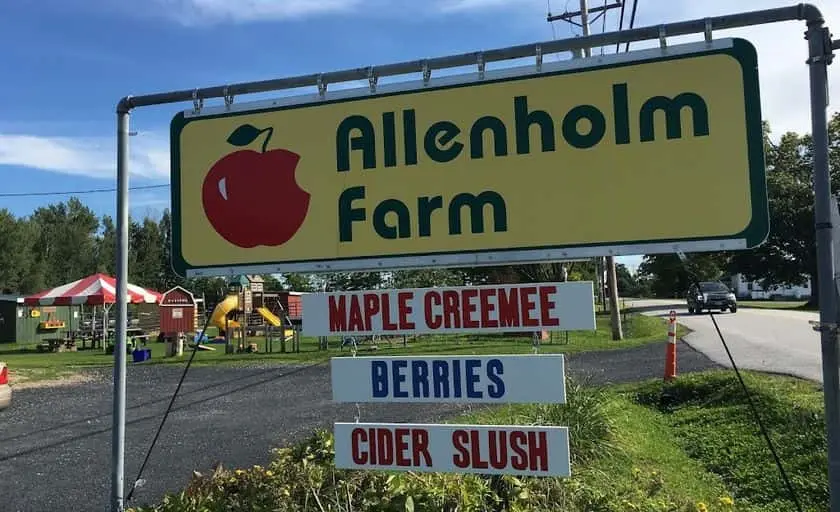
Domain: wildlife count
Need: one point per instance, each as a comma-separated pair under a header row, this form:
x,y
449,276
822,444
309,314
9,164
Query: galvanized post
x,y
819,55
118,427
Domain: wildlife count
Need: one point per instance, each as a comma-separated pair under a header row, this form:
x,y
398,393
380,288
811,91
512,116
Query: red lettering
x,y
385,447
462,458
519,460
405,309
420,447
357,437
487,307
387,324
356,322
451,318
401,435
498,449
509,307
371,301
468,308
547,305
432,321
338,313
528,306
475,448
538,450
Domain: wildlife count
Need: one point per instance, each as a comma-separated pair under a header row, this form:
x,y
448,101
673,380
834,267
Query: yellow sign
x,y
651,153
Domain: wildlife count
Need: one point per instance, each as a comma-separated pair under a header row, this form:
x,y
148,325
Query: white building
x,y
753,290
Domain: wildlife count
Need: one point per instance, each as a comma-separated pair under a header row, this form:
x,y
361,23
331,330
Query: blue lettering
x,y
420,378
494,369
440,376
379,378
456,379
399,378
473,378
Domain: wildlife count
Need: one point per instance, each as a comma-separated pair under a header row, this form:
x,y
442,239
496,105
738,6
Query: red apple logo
x,y
252,198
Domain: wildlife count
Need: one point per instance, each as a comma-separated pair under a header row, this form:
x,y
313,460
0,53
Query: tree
x,y
668,277
299,282
788,257
16,239
340,281
427,278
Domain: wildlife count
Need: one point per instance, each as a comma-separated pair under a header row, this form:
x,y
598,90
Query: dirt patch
x,y
27,379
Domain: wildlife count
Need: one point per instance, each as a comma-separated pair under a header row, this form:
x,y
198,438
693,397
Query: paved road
x,y
55,442
778,341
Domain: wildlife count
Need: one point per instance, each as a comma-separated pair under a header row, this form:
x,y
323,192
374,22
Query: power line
x,y
77,192
632,21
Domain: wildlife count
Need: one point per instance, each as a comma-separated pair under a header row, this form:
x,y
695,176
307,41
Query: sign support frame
x,y
820,48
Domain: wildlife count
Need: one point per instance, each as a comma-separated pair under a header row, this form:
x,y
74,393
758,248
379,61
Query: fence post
x,y
671,348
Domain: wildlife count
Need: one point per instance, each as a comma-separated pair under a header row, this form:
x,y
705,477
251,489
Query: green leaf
x,y
409,504
244,135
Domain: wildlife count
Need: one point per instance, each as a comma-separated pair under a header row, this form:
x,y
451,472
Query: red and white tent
x,y
95,290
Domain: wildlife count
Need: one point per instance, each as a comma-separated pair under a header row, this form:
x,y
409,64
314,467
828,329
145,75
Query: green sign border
x,y
755,233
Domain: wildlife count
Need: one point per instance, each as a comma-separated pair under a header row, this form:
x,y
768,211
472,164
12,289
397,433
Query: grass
x,y
776,304
639,330
709,419
687,446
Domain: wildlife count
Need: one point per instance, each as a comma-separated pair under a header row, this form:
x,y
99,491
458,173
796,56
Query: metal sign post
x,y
820,52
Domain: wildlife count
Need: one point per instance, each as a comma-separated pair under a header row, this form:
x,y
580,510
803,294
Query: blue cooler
x,y
141,354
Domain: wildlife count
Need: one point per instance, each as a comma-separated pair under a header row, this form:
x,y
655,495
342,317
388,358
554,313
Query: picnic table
x,y
57,345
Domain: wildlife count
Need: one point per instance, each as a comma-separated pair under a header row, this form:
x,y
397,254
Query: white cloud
x,y
191,12
93,156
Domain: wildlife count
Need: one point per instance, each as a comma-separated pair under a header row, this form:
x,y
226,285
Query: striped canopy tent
x,y
95,290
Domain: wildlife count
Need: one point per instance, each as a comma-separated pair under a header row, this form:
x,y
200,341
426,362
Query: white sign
x,y
566,306
484,449
177,313
489,379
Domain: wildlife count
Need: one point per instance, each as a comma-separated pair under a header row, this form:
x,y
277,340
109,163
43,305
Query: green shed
x,y
32,324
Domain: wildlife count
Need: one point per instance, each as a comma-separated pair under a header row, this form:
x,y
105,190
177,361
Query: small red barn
x,y
177,311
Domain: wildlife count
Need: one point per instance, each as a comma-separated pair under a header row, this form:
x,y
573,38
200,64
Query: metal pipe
x,y
818,41
118,430
795,12
807,12
584,24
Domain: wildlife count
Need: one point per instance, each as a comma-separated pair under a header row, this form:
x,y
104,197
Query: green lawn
x,y
638,329
776,304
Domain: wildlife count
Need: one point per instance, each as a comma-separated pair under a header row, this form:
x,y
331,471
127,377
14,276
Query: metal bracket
x,y
481,65
427,72
322,86
372,79
228,97
821,327
707,32
198,103
827,53
662,42
539,56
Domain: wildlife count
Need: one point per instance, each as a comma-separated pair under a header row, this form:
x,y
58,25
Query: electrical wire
x,y
620,23
77,192
632,22
138,481
765,434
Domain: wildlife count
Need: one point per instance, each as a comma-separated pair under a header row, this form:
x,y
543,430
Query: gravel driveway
x,y
55,443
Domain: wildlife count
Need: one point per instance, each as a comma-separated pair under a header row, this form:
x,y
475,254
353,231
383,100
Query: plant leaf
x,y
409,504
244,135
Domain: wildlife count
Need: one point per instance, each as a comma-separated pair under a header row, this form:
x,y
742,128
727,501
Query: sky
x,y
67,63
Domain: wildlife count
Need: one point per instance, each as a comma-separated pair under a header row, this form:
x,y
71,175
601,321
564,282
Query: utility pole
x,y
609,264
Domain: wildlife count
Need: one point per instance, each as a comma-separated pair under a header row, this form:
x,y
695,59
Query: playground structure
x,y
248,310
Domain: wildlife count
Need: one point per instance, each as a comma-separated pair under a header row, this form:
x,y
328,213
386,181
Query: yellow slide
x,y
230,303
270,317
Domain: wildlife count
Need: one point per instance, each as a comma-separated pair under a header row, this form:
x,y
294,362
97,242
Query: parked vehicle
x,y
5,388
710,295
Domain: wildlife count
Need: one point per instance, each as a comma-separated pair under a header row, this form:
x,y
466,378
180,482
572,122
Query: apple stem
x,y
270,131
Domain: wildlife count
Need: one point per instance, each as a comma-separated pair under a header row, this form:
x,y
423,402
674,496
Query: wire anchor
x,y
198,103
539,56
372,79
427,72
228,97
707,32
662,42
481,65
322,86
